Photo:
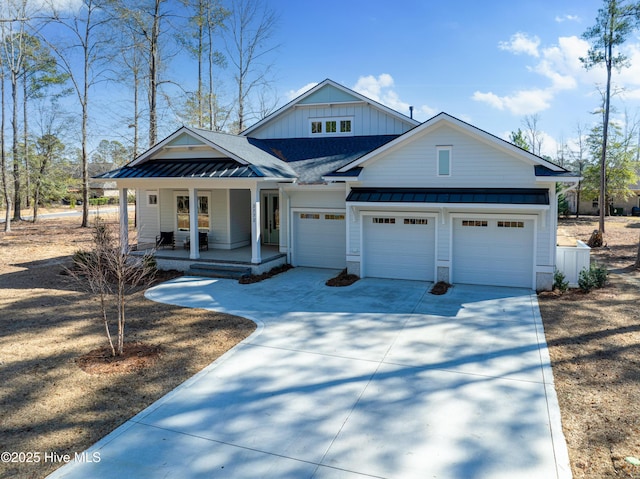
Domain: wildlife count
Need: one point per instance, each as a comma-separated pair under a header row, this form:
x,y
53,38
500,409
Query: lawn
x,y
47,322
594,342
49,404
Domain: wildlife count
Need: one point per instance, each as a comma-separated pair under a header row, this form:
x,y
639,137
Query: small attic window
x,y
331,126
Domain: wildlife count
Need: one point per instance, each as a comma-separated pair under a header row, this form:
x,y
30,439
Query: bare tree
x,y
89,43
251,27
616,20
112,273
533,133
14,44
578,161
3,158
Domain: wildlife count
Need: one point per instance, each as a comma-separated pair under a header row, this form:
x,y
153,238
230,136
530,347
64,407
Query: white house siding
x,y
366,120
239,217
148,216
219,234
473,164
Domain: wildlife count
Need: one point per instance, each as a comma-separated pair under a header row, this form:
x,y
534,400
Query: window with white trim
x,y
479,223
416,221
152,198
182,213
510,224
443,156
309,216
386,221
331,126
333,217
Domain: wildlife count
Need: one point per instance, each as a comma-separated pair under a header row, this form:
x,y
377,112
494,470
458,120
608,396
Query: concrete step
x,y
218,271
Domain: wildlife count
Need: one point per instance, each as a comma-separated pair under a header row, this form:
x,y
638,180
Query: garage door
x,y
399,246
493,251
320,240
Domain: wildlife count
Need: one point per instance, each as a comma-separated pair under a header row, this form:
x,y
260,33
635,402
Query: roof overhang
x,y
538,197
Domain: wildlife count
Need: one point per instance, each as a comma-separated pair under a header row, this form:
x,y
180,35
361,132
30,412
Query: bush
x,y
559,281
592,278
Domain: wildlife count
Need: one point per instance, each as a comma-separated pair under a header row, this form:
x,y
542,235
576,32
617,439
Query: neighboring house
x,y
334,179
619,207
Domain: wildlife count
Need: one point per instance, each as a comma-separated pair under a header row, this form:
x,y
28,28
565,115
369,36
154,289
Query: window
x,y
331,126
152,199
182,212
480,223
594,204
387,221
510,224
416,221
444,160
333,217
309,216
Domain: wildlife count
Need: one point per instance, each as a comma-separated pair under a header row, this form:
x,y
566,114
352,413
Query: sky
x,y
489,63
492,64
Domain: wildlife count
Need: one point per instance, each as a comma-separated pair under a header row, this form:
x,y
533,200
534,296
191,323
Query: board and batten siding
x,y
365,121
474,164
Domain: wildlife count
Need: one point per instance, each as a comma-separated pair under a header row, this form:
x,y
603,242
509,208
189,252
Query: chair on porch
x,y
203,241
166,239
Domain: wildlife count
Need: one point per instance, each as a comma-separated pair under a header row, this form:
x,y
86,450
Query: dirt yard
x,y
594,341
47,403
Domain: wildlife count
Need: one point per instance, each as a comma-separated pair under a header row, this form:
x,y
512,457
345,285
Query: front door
x,y
271,217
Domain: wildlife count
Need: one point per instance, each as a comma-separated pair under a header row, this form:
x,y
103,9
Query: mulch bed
x,y
255,278
135,356
343,279
440,288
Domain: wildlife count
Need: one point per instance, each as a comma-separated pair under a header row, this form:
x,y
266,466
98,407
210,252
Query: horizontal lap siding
x,y
474,164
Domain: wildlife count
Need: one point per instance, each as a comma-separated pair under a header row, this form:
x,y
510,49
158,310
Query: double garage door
x,y
484,251
319,239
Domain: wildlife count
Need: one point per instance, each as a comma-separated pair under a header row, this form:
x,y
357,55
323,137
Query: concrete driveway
x,y
379,379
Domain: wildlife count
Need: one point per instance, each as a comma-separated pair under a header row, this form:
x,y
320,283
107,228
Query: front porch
x,y
178,259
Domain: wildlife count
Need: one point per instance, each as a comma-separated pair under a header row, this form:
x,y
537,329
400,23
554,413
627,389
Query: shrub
x,y
592,278
559,281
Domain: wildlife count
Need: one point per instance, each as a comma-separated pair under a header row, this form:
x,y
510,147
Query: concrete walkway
x,y
379,379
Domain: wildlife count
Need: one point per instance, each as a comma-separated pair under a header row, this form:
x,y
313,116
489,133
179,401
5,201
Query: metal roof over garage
x,y
502,196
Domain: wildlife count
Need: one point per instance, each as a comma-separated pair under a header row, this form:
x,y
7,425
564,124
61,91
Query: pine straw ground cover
x,y
47,402
594,343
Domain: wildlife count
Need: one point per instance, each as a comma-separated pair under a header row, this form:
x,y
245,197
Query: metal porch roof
x,y
200,168
503,196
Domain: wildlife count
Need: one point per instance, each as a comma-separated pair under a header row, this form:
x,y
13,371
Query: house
x,y
334,179
619,206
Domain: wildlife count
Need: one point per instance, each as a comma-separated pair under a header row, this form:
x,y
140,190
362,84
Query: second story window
x,y
331,126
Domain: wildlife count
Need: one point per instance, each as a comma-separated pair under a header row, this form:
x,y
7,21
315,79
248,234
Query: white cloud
x,y
292,94
567,18
380,89
523,102
560,64
521,43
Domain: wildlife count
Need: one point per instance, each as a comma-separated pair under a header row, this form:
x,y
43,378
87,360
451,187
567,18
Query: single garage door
x,y
399,246
320,240
496,252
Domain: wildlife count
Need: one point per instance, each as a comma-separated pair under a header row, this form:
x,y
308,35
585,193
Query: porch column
x,y
124,221
255,225
194,248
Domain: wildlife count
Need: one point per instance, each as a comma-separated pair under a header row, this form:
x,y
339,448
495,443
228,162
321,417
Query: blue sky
x,y
488,63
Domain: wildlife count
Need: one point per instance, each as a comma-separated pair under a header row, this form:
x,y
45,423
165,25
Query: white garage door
x,y
493,251
320,240
399,246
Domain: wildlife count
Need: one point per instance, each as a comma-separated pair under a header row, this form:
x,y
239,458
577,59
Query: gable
x,y
328,94
329,101
185,139
473,163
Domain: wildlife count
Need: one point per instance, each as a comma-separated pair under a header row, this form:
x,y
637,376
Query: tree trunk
x,y
25,129
153,75
3,159
16,154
